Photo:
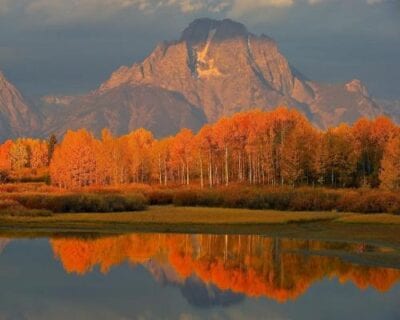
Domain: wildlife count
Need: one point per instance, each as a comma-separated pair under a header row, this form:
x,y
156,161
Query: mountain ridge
x,y
215,69
17,116
229,69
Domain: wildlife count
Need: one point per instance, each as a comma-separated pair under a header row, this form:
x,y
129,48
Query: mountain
x,y
215,69
17,118
391,109
194,290
123,109
222,68
218,66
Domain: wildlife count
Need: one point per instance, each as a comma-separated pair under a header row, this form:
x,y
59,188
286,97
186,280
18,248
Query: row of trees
x,y
265,148
26,153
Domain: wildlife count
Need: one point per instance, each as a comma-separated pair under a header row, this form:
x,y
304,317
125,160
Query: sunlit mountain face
x,y
144,69
76,44
204,276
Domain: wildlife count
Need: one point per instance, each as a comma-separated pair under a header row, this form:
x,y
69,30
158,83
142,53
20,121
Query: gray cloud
x,y
60,46
61,11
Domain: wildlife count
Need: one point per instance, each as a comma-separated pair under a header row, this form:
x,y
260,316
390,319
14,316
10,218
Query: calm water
x,y
164,276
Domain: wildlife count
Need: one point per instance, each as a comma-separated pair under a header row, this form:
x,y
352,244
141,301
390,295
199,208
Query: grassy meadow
x,y
37,206
383,230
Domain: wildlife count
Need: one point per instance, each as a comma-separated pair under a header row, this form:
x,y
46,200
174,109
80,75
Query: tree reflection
x,y
252,265
3,243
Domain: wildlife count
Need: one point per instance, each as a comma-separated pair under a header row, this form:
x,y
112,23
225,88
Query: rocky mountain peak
x,y
8,92
218,65
357,86
199,30
222,68
16,117
4,83
215,69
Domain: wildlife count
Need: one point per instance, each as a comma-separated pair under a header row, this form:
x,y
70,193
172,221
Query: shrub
x,y
8,203
136,197
313,200
289,199
374,201
84,202
160,197
13,208
4,176
210,198
186,198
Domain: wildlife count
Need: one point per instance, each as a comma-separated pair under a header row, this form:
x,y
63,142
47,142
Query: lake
x,y
183,276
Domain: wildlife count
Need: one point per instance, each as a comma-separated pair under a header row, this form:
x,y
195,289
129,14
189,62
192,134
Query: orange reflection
x,y
3,243
252,265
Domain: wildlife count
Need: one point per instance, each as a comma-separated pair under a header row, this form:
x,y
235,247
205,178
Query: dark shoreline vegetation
x,y
32,209
382,230
38,199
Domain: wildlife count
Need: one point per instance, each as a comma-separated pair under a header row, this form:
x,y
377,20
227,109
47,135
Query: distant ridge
x,y
220,67
17,118
215,69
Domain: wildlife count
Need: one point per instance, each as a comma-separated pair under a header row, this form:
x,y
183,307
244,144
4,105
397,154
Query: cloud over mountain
x,y
64,11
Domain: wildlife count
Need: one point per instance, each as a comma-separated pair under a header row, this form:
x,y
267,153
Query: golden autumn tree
x,y
282,124
390,165
243,128
371,137
337,157
38,153
19,155
74,162
280,147
291,169
207,147
5,159
223,134
139,145
112,160
161,157
181,150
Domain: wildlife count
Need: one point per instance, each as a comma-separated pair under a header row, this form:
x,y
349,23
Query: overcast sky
x,y
71,46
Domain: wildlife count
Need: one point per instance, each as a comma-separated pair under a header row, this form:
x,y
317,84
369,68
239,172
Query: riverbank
x,y
379,229
134,197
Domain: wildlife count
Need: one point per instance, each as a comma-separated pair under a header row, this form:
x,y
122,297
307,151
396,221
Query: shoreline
x,y
380,229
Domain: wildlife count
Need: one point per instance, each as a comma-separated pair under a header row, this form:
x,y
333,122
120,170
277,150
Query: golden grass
x,y
170,215
191,215
167,218
306,225
382,218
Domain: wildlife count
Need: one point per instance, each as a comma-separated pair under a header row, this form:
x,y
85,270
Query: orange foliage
x,y
280,147
252,265
5,160
74,161
390,166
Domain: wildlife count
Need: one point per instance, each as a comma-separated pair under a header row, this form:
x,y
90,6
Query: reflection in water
x,y
3,243
221,270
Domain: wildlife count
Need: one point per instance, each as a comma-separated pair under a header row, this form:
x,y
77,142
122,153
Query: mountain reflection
x,y
226,268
